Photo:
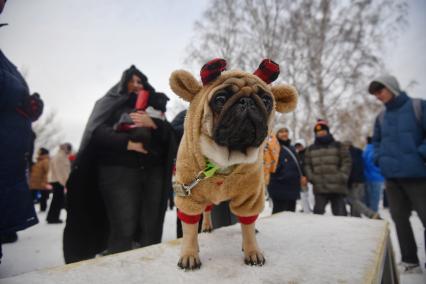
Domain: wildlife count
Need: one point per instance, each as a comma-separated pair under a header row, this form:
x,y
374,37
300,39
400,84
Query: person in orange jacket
x,y
38,178
270,156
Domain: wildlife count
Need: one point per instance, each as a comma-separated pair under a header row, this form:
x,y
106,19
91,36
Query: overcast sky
x,y
73,51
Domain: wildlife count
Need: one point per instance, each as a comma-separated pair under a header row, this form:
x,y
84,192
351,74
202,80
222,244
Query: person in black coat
x,y
119,185
285,183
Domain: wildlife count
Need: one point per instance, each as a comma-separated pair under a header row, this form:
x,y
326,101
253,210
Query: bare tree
x,y
47,130
327,49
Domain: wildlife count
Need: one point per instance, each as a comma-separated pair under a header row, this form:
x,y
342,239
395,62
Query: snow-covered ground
x,y
40,246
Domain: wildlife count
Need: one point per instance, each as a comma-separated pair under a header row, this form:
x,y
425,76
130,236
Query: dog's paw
x,y
207,228
189,262
254,258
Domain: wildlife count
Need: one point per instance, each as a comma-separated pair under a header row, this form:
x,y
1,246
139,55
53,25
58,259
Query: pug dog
x,y
221,153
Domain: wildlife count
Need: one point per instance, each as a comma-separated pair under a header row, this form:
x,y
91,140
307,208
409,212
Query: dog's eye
x,y
267,101
219,100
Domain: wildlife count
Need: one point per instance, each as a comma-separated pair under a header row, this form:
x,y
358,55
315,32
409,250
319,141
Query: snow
x,y
311,249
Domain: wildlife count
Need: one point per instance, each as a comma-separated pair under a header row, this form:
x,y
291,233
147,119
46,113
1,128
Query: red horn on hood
x,y
212,69
268,71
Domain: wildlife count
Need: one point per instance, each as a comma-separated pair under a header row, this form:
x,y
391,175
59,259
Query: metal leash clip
x,y
184,190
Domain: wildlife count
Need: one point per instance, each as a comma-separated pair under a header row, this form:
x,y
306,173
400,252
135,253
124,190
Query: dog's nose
x,y
246,102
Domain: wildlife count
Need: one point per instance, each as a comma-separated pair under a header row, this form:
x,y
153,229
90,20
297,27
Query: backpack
x,y
418,111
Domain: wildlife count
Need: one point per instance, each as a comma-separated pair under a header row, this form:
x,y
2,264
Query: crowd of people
x,y
337,172
117,187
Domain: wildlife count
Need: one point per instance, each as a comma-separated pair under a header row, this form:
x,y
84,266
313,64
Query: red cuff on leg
x,y
208,208
189,219
247,220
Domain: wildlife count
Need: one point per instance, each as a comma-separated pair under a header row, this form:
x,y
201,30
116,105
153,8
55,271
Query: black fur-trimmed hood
x,y
127,75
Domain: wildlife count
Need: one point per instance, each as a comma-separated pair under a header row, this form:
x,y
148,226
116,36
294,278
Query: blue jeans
x,y
372,194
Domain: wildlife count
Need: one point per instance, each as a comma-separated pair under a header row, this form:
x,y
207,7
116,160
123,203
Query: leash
x,y
184,190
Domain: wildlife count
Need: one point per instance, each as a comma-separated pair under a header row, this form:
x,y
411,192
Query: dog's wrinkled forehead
x,y
244,85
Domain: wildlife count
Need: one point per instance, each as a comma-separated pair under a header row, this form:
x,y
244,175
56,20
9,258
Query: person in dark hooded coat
x,y
285,183
118,188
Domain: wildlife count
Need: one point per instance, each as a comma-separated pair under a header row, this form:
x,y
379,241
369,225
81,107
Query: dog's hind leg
x,y
252,253
207,225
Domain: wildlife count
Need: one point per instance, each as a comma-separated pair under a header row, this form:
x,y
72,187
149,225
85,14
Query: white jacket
x,y
59,168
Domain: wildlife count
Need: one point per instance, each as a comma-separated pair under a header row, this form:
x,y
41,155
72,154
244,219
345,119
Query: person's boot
x,y
409,268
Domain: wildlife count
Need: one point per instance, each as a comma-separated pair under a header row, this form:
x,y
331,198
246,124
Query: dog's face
x,y
240,109
233,113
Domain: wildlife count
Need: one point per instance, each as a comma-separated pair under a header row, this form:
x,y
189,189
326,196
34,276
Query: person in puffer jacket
x,y
327,167
399,142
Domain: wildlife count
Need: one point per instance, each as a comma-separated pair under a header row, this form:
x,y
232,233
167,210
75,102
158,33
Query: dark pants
x,y
337,203
283,205
34,193
135,205
57,203
222,215
385,199
405,195
44,196
43,199
356,194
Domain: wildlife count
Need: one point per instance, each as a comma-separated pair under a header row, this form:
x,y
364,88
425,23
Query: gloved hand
x,y
31,107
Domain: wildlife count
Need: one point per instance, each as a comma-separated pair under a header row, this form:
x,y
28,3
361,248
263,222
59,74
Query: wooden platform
x,y
299,248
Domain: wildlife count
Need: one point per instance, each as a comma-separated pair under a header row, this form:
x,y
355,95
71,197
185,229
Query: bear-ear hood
x,y
389,81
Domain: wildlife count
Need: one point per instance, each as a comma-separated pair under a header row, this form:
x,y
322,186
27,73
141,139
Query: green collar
x,y
210,169
184,190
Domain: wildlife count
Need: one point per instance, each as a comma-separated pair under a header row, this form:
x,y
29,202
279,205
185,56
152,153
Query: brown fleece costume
x,y
242,180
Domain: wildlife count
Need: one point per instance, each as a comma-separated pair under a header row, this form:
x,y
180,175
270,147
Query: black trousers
x,y
58,201
405,195
135,205
283,205
44,196
337,203
222,215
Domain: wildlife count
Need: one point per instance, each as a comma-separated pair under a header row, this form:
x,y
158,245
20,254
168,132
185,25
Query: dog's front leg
x,y
189,258
252,253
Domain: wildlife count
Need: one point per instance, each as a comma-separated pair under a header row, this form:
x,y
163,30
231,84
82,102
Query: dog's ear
x,y
285,97
184,85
